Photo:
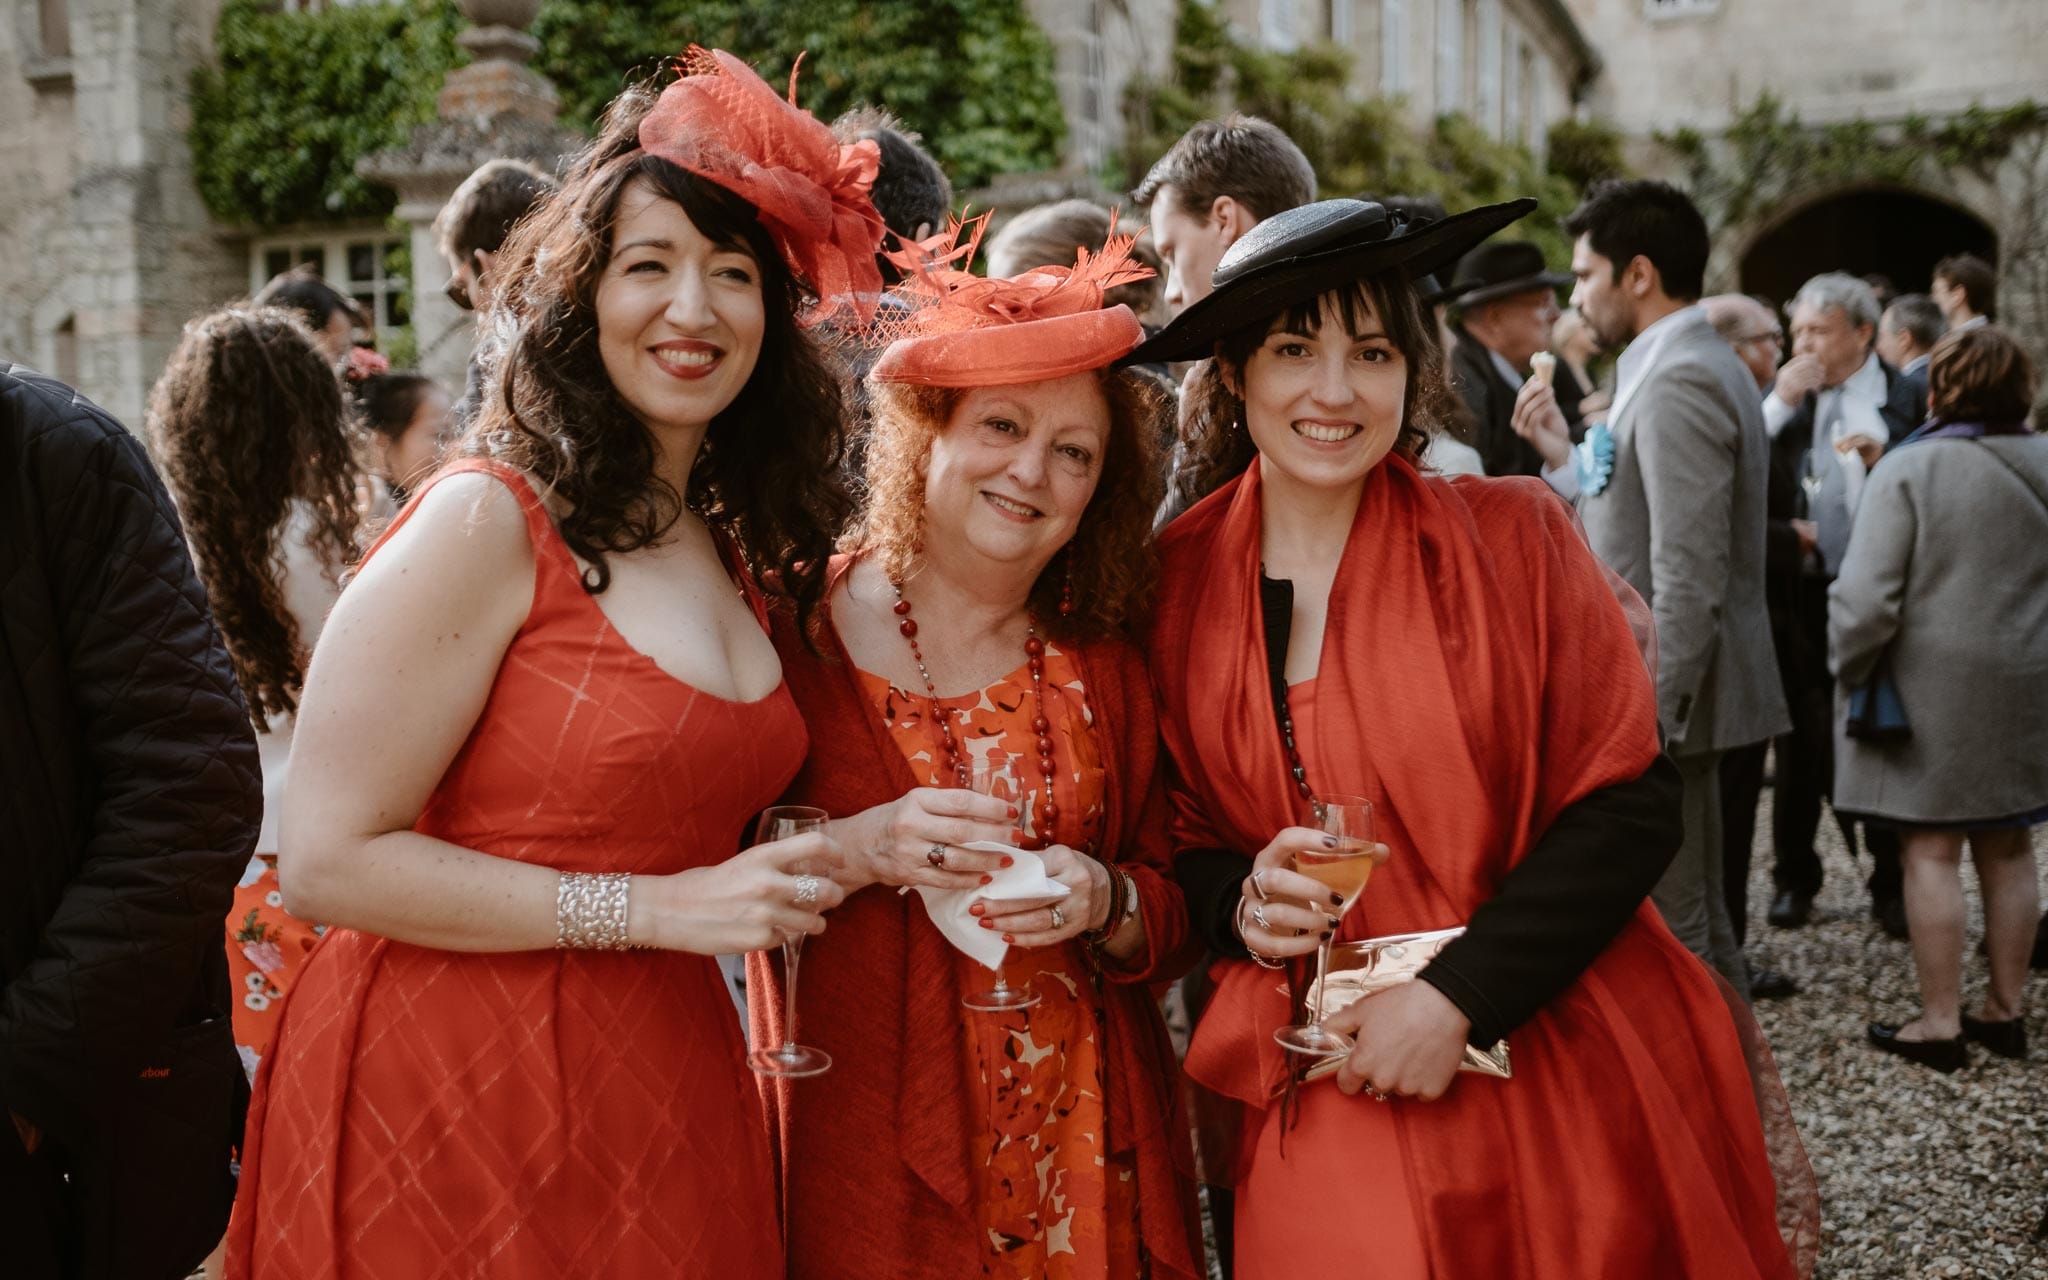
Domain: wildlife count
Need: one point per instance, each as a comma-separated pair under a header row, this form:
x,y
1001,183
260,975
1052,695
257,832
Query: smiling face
x,y
680,316
1325,392
1014,468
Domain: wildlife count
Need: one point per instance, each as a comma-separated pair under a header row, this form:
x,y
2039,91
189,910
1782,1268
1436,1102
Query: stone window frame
x,y
41,68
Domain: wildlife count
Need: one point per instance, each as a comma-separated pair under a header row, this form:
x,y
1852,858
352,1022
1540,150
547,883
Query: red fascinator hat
x,y
726,125
952,328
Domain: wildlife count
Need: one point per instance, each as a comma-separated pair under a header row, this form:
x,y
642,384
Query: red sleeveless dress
x,y
544,1114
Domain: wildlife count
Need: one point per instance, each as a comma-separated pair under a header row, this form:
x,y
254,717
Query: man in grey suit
x,y
1680,516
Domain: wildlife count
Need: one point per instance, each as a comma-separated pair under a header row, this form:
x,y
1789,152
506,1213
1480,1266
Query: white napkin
x,y
1023,879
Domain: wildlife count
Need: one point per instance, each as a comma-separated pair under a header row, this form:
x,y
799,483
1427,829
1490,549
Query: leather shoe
x,y
2007,1039
1790,909
1945,1056
1890,915
1769,984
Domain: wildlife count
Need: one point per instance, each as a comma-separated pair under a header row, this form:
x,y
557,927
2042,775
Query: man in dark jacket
x,y
1836,406
1507,303
129,801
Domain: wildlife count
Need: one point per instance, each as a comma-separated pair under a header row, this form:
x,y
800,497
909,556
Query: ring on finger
x,y
936,855
807,890
1259,915
1258,888
1375,1094
1059,918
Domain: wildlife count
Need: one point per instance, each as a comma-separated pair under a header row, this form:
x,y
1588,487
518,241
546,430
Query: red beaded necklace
x,y
956,759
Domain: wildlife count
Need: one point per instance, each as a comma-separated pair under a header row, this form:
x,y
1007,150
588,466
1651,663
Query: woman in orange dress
x,y
980,611
537,726
1338,621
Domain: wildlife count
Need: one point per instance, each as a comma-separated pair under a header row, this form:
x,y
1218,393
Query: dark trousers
x,y
1806,767
1742,783
35,1214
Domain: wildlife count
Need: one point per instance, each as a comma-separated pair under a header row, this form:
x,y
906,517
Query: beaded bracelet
x,y
590,911
1123,904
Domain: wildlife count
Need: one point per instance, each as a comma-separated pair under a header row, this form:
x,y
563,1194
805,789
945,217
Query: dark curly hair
x,y
245,423
1215,446
767,472
1110,558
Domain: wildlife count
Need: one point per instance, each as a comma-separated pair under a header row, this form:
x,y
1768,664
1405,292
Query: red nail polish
x,y
1008,860
1016,837
977,910
1013,812
1008,938
987,923
987,879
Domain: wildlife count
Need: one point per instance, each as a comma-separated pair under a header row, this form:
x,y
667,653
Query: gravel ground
x,y
1921,1174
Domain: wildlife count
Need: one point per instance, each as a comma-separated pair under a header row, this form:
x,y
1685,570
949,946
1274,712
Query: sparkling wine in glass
x,y
1344,869
1000,775
790,1060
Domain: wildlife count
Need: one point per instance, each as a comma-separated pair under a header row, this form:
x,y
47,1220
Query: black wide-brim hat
x,y
1502,270
1307,251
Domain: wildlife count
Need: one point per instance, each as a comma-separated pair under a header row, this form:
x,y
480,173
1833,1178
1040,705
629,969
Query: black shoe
x,y
1890,915
1945,1056
2007,1039
1790,909
1769,984
2040,957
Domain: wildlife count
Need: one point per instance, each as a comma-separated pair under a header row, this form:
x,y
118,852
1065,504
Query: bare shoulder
x,y
464,548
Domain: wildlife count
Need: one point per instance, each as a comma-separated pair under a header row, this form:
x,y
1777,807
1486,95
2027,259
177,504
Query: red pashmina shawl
x,y
1490,680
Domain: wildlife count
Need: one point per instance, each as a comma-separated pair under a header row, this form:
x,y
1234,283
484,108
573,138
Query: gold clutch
x,y
1364,968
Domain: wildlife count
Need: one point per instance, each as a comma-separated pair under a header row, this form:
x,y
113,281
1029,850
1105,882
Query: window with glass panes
x,y
367,266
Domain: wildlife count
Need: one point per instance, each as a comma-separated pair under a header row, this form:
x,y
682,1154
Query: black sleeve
x,y
176,791
1209,879
1557,910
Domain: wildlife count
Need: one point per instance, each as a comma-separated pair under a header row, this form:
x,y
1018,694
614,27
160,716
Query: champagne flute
x,y
792,1060
998,775
1344,870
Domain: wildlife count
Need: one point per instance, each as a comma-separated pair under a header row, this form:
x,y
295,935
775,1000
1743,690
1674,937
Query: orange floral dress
x,y
1048,1201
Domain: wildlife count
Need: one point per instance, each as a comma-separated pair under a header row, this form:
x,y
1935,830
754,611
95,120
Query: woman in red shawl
x,y
1338,621
980,609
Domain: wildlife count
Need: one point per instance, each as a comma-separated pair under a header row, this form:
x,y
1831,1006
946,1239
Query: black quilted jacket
x,y
129,801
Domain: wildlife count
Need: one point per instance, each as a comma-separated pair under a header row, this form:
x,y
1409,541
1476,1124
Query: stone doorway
x,y
1898,233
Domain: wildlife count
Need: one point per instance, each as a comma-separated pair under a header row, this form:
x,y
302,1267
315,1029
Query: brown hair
x,y
1109,560
245,422
1052,235
1974,276
1979,375
767,472
1215,445
488,204
1248,159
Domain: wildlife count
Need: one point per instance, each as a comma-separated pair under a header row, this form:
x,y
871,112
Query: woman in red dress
x,y
1338,621
981,610
536,727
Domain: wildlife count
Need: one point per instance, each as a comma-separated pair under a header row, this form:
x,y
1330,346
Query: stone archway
x,y
1893,231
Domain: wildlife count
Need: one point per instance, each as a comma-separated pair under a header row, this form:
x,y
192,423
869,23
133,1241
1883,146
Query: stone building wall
x,y
112,249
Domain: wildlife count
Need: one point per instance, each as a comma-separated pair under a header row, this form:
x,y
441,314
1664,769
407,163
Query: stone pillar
x,y
496,107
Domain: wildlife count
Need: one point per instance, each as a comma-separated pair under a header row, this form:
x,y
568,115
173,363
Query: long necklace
x,y
956,759
1294,764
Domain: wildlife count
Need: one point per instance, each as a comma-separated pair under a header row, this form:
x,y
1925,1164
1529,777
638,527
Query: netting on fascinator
x,y
951,328
725,124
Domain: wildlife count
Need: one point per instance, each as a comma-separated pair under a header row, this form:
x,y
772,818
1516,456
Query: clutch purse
x,y
1365,968
1876,715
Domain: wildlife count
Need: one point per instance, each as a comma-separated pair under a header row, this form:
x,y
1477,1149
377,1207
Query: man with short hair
x,y
470,230
911,192
1507,302
1680,515
1219,181
1966,290
1906,335
1752,329
1835,408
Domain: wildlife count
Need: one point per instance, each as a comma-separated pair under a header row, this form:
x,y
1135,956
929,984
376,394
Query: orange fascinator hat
x,y
726,125
952,328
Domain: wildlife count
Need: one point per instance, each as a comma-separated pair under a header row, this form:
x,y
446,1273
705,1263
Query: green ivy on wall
x,y
1767,156
295,99
1357,146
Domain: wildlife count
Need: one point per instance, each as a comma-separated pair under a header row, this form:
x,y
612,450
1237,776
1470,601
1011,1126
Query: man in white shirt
x,y
1834,410
1966,290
